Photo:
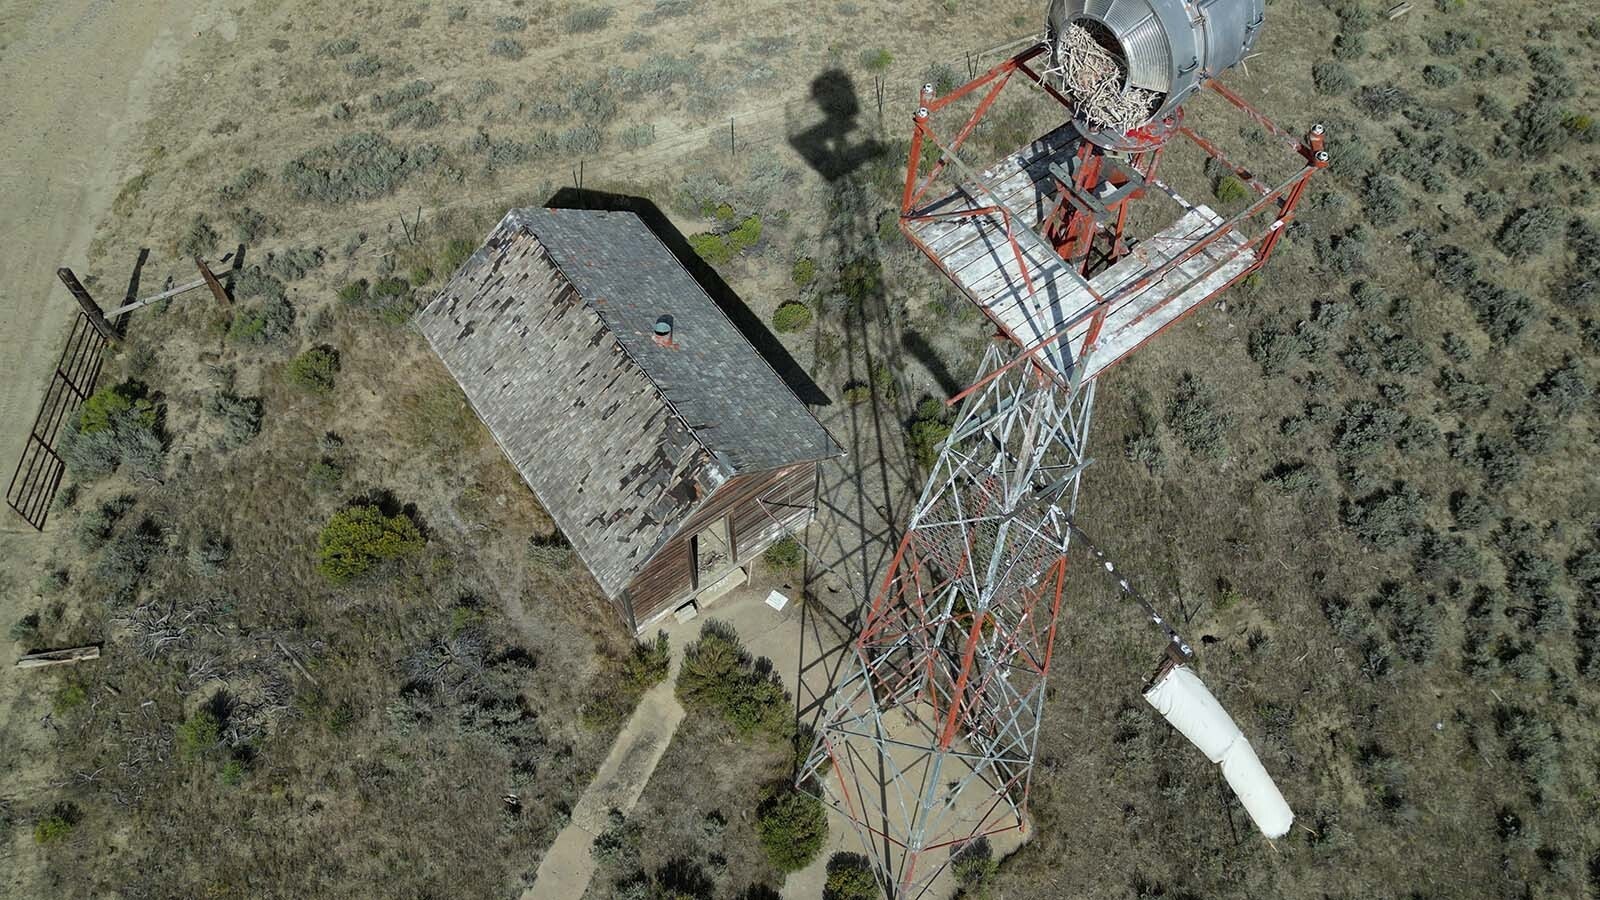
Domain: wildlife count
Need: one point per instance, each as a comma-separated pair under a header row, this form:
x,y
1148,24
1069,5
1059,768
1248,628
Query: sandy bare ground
x,y
76,79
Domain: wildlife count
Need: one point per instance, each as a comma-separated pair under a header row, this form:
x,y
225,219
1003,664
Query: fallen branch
x,y
58,657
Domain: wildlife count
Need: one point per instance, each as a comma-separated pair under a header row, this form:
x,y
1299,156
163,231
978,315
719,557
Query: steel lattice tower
x,y
928,741
945,697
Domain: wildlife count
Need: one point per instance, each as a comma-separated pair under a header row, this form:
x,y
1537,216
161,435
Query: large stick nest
x,y
1095,79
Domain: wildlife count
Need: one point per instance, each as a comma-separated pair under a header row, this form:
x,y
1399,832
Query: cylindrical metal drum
x,y
1168,48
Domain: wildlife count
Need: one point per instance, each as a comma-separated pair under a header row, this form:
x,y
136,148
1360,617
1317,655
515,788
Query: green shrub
x,y
711,247
745,235
233,772
792,826
926,432
116,426
649,662
974,866
71,696
52,829
784,553
804,271
359,539
198,734
510,24
850,878
111,407
315,369
718,675
1230,189
791,317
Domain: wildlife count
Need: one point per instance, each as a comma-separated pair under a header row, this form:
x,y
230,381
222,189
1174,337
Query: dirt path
x,y
566,868
76,80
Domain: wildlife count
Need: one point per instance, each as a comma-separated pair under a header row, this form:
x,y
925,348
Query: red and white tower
x,y
929,740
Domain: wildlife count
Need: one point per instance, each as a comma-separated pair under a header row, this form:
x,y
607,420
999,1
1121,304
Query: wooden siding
x,y
790,494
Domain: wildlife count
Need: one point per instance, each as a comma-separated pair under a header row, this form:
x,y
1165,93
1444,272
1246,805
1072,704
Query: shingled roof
x,y
549,329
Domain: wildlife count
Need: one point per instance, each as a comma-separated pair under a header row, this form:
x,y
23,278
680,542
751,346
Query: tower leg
x,y
929,741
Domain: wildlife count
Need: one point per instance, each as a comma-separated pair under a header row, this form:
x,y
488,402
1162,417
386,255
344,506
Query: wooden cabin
x,y
666,449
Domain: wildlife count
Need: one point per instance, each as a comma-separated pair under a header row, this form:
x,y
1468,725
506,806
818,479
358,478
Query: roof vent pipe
x,y
664,332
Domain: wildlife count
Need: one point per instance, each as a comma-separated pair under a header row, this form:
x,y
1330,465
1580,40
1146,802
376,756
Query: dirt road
x,y
76,79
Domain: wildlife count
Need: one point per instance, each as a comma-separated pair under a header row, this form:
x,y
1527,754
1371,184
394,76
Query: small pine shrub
x,y
857,393
784,554
69,697
315,369
360,539
792,826
1230,189
649,662
198,734
791,317
718,675
233,772
52,829
746,235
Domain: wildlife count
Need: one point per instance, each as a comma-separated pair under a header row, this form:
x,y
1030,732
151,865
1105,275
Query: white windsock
x,y
1182,699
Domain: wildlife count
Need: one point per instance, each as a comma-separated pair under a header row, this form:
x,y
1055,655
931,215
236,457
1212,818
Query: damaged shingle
x,y
593,412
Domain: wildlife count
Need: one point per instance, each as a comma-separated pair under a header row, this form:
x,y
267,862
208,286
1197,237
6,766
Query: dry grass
x,y
332,798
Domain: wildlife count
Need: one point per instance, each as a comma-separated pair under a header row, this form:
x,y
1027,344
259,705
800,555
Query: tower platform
x,y
975,249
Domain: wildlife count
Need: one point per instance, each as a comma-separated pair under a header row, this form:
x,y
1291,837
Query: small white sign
x,y
777,601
